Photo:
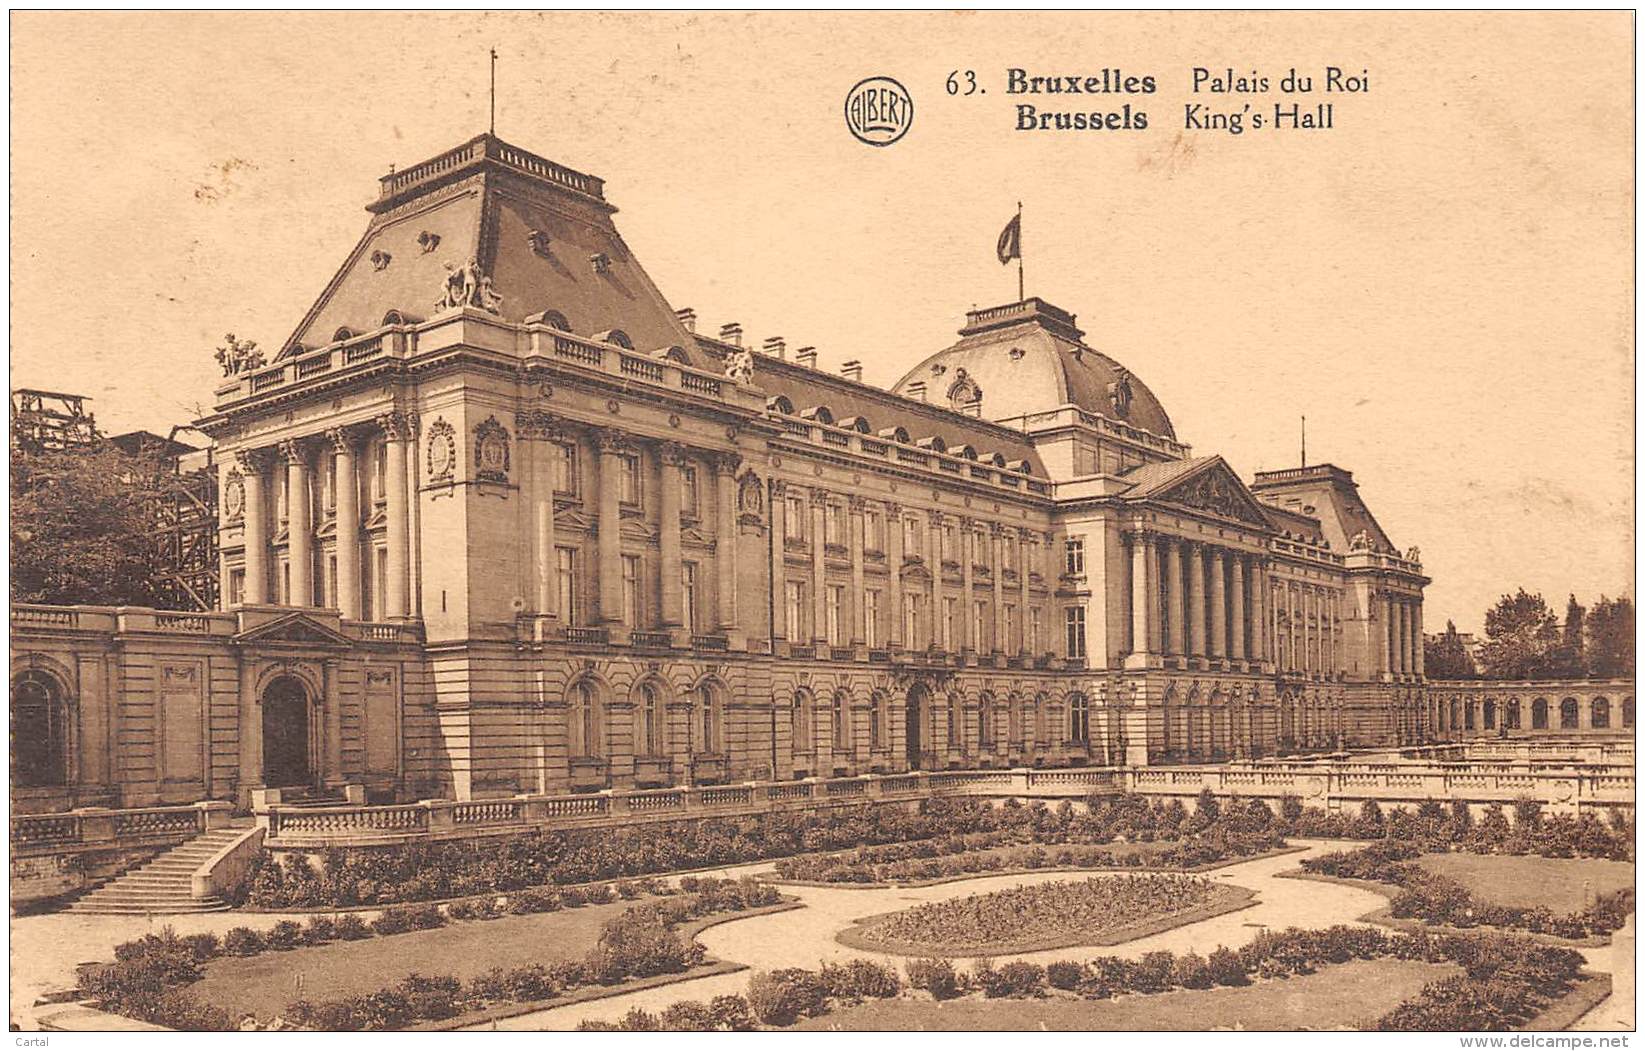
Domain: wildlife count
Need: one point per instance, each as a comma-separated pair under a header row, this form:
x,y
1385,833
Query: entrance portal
x,y
916,706
285,734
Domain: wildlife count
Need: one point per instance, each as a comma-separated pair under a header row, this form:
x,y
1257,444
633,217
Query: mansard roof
x,y
542,232
846,399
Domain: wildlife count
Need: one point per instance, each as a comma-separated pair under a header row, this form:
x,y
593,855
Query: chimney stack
x,y
731,333
852,370
807,356
688,318
776,347
916,390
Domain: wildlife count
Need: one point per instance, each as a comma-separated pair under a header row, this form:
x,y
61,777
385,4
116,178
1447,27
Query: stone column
x,y
613,446
539,430
397,429
1418,663
1237,608
299,524
333,714
725,541
997,536
348,524
1196,602
856,507
1406,662
672,588
1173,598
1305,601
893,567
1022,586
933,551
968,582
1259,611
819,568
1219,609
252,462
1142,589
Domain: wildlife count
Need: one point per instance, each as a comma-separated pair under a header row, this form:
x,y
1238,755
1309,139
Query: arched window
x,y
342,334
709,719
1456,714
1468,715
616,337
1490,715
878,720
1569,718
841,721
1599,716
555,319
1013,720
585,725
780,404
985,721
1079,719
39,732
650,721
1042,724
801,729
953,712
1539,714
1510,714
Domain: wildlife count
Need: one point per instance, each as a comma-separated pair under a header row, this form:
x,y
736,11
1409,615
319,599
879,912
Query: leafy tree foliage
x,y
1611,638
1522,638
80,525
1446,657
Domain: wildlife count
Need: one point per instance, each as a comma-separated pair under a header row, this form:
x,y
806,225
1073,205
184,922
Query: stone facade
x,y
1466,709
591,547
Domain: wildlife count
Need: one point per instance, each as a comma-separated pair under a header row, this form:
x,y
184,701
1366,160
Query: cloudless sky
x,y
1443,282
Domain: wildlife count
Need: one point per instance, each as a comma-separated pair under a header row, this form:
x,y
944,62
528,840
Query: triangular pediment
x,y
1209,487
294,628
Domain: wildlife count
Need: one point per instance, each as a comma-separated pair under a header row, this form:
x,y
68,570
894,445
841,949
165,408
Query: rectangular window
x,y
911,546
1009,555
688,595
1012,634
565,561
1035,637
979,623
381,587
794,610
949,605
1073,556
874,527
328,476
980,549
630,481
1076,632
911,633
871,618
631,591
328,583
565,470
236,587
794,518
834,525
379,473
835,603
688,491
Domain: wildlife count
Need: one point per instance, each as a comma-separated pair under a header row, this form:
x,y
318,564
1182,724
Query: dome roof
x,y
1029,357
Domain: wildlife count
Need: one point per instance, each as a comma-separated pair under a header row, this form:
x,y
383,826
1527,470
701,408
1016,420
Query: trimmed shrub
x,y
287,934
351,928
242,941
935,976
1191,972
784,996
319,929
1064,974
858,980
1226,967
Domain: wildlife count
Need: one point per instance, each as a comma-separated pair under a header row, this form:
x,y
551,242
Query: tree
x,y
79,527
1611,638
1521,638
1569,660
1445,657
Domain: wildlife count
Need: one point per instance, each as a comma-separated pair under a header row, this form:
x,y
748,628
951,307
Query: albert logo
x,y
878,111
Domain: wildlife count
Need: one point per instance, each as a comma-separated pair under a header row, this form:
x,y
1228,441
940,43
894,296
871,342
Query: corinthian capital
x,y
341,439
536,425
252,461
608,440
293,451
395,426
673,454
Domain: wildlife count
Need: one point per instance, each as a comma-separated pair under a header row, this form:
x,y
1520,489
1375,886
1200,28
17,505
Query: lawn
x,y
263,985
1342,996
1530,881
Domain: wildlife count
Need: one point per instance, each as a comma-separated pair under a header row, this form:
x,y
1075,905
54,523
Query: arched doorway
x,y
286,734
39,732
918,701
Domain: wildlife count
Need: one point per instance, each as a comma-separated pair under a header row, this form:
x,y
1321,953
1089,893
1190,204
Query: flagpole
x,y
493,91
1021,298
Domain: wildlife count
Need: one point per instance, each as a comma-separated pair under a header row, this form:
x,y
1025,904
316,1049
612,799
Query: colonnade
x,y
1401,637
1196,604
1307,624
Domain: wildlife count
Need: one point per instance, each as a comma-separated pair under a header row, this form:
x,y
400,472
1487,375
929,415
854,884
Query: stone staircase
x,y
163,885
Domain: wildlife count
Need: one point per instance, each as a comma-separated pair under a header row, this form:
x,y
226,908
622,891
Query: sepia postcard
x,y
823,522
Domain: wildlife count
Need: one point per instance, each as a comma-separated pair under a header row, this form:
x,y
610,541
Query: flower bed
x,y
1437,828
1432,898
150,976
1506,981
1104,910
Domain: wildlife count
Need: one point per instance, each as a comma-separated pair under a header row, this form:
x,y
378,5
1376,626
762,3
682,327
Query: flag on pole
x,y
1010,244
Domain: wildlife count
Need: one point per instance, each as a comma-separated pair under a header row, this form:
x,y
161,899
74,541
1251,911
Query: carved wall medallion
x,y
380,260
964,390
750,495
442,451
429,241
491,451
601,262
546,390
613,407
673,419
234,496
539,242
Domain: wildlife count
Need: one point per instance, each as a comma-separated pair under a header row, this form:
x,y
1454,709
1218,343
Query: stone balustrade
x,y
98,828
1334,785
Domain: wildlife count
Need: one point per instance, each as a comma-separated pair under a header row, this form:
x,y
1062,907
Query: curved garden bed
x,y
1102,910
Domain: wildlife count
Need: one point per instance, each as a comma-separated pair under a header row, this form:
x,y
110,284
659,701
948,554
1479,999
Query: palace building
x,y
497,519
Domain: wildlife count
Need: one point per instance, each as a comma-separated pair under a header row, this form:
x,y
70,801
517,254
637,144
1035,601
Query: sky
x,y
1442,282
